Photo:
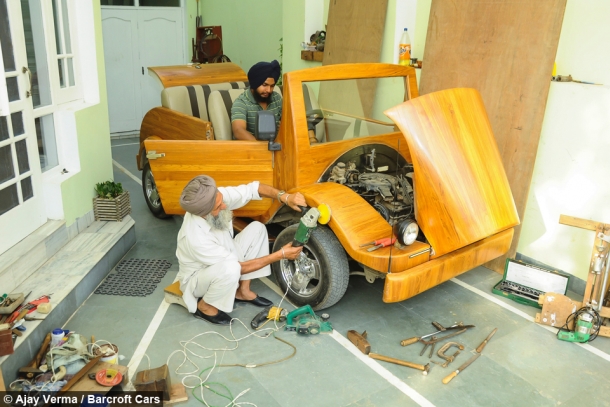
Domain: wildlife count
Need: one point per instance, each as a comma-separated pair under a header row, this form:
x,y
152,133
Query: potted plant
x,y
112,202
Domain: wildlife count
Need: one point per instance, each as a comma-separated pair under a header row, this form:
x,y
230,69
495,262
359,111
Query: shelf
x,y
312,55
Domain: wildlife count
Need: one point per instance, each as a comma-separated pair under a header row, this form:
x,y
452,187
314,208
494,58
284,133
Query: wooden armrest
x,y
173,125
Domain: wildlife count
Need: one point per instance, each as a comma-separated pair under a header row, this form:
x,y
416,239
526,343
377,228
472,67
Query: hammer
x,y
31,370
363,344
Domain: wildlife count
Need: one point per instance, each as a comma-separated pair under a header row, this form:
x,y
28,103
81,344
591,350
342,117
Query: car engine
x,y
389,190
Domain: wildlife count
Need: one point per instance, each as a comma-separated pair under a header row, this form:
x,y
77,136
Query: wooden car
x,y
435,165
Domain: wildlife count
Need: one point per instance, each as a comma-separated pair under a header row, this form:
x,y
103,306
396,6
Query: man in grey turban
x,y
216,267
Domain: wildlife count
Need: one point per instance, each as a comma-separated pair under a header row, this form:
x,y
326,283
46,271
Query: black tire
x,y
330,269
151,196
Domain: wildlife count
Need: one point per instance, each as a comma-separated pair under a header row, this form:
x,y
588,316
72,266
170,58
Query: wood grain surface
x,y
182,75
505,50
230,163
355,222
462,194
401,286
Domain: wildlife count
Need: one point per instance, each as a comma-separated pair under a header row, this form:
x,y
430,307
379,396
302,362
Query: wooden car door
x,y
231,163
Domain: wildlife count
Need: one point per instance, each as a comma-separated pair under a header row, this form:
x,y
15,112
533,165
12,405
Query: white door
x,y
21,204
121,53
160,45
134,39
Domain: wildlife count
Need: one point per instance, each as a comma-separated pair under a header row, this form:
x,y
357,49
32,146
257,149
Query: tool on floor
x,y
32,370
587,321
472,359
459,326
435,339
309,222
479,349
449,358
432,344
305,322
360,341
270,313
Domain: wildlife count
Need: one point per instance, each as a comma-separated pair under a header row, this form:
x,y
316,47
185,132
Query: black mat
x,y
134,277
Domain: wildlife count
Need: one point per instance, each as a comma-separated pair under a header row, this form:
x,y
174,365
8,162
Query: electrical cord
x,y
572,318
200,383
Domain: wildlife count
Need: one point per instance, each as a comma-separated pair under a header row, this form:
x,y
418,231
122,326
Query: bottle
x,y
56,336
404,49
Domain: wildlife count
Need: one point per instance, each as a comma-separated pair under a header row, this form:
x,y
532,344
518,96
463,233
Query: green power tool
x,y
305,322
309,222
582,329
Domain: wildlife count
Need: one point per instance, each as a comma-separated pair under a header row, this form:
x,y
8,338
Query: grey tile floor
x,y
523,365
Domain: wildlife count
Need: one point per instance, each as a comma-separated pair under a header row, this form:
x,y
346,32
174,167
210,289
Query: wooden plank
x,y
181,75
461,191
477,44
578,222
556,308
312,56
178,394
348,41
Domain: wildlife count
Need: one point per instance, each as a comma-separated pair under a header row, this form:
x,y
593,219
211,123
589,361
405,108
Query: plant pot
x,y
112,209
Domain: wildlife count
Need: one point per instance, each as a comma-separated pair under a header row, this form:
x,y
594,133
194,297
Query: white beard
x,y
222,221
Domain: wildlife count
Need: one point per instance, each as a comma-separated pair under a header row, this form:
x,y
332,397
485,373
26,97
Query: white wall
x,y
573,162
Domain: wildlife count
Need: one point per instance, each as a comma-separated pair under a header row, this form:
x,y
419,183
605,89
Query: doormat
x,y
134,277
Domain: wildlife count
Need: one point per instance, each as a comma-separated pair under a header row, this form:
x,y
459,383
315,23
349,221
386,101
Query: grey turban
x,y
199,195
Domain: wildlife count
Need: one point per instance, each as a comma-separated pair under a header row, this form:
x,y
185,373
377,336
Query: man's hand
x,y
295,200
289,252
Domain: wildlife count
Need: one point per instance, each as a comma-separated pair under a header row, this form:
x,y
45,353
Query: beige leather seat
x,y
193,100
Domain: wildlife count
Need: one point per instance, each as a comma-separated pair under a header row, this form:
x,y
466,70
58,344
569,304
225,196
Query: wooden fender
x,y
355,222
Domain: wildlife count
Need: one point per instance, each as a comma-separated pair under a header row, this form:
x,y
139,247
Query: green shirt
x,y
245,108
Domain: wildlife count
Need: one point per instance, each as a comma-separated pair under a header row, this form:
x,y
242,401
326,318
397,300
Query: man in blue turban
x,y
259,96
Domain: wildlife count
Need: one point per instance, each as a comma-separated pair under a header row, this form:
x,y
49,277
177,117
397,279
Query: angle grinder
x,y
303,267
309,222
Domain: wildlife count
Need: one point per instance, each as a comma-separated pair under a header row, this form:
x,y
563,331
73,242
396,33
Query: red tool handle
x,y
385,241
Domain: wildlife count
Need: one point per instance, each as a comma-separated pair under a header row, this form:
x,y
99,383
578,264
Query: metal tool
x,y
410,341
365,347
484,343
460,369
472,359
432,344
451,358
382,243
424,368
378,242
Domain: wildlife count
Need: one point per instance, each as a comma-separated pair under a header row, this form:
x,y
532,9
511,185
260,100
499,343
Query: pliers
x,y
379,243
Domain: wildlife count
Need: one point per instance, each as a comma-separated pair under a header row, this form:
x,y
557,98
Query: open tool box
x,y
525,283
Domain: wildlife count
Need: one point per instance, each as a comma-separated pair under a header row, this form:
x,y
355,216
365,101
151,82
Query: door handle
x,y
142,70
28,93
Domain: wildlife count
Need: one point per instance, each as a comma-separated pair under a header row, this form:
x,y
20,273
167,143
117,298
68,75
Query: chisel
x,y
472,359
459,369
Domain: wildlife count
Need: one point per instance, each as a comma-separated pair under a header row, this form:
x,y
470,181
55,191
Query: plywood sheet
x,y
506,51
354,33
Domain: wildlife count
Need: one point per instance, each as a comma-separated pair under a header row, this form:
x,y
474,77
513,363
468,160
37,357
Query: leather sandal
x,y
222,318
258,301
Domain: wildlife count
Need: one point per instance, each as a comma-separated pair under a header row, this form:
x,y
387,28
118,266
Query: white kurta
x,y
209,258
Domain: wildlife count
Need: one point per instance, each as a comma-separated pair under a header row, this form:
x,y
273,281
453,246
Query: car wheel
x,y
151,196
319,276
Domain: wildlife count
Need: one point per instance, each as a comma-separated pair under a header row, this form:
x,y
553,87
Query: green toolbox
x,y
525,283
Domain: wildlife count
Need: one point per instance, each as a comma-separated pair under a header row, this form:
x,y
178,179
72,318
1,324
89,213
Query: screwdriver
x,y
382,243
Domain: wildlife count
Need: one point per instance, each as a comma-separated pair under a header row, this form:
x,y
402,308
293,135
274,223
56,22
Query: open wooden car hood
x,y
462,194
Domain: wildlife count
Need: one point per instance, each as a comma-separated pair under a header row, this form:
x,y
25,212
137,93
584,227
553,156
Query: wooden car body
x,y
462,199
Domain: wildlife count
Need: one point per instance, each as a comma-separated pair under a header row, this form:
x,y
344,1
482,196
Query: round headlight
x,y
406,231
